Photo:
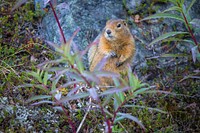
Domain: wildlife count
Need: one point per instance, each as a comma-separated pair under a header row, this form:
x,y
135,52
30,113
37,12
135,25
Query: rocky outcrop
x,y
91,16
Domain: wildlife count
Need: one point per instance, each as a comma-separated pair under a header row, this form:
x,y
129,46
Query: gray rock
x,y
91,16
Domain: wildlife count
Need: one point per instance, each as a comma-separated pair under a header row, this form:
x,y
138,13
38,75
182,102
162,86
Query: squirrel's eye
x,y
118,25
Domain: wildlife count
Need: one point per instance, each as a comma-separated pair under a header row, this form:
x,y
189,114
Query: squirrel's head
x,y
116,29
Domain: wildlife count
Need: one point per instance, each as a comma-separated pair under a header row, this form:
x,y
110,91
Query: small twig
x,y
10,68
190,76
68,116
106,120
88,110
142,41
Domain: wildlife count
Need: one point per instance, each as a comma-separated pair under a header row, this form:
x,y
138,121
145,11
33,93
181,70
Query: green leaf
x,y
186,14
138,106
191,4
140,91
79,63
91,77
166,35
174,8
195,23
114,90
131,78
107,100
134,82
116,81
188,41
117,101
39,97
128,116
164,15
105,74
58,61
43,101
157,91
36,75
198,57
54,83
174,2
178,39
194,53
74,97
121,96
40,72
45,78
25,86
93,94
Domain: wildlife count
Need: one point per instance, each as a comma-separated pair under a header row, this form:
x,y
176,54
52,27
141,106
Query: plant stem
x,y
69,120
61,31
115,113
107,120
67,114
189,29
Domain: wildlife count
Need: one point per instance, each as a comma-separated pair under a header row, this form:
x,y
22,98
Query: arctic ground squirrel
x,y
118,45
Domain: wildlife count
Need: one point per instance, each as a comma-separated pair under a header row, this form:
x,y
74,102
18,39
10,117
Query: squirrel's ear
x,y
108,21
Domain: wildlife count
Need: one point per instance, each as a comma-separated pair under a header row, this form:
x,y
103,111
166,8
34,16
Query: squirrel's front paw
x,y
118,64
111,54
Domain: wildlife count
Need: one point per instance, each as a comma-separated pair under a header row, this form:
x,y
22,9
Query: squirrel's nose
x,y
108,32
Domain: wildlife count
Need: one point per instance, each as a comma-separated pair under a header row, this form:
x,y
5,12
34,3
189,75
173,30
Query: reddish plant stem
x,y
191,33
65,111
115,113
68,116
69,120
107,120
84,78
60,28
189,29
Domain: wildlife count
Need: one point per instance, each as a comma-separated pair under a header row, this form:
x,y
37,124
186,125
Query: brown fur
x,y
117,43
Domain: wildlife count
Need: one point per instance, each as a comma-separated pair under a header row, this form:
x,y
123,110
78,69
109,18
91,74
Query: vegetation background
x,y
46,87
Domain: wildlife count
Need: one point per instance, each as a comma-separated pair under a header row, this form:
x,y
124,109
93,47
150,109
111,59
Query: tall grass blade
x,y
93,93
174,2
189,7
91,77
166,35
128,116
174,8
39,97
74,97
164,15
115,90
106,74
195,23
117,101
43,101
144,107
107,100
194,53
101,64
